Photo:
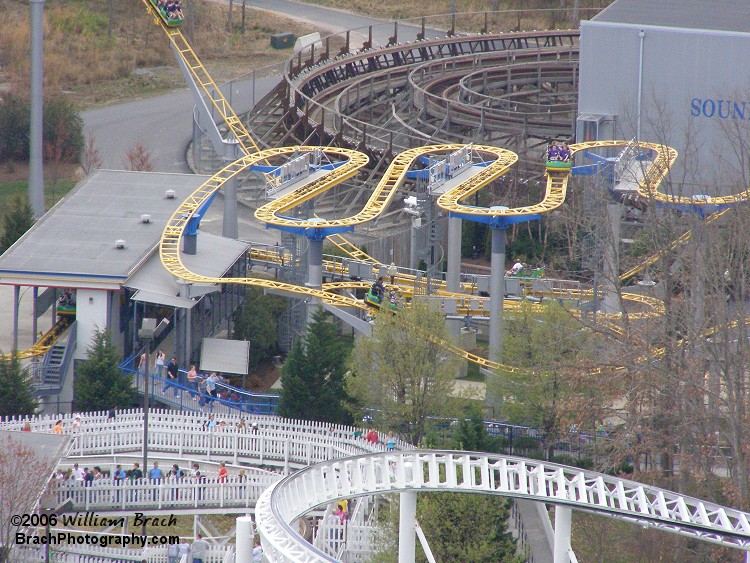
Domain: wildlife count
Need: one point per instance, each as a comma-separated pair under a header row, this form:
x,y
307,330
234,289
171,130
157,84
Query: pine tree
x,y
467,527
17,220
257,322
294,396
16,395
100,384
313,375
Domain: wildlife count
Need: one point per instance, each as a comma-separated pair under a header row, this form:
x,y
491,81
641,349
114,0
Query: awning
x,y
156,298
154,284
225,356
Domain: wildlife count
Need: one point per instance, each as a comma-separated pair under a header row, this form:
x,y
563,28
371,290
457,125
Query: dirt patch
x,y
261,379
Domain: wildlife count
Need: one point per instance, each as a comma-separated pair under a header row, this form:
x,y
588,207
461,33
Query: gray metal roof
x,y
74,243
720,15
214,256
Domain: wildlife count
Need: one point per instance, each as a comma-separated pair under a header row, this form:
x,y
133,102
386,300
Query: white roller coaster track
x,y
338,477
470,472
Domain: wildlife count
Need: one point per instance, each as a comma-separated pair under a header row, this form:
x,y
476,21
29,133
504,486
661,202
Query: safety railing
x,y
160,494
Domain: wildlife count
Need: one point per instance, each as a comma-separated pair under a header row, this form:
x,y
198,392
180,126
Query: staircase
x,y
51,374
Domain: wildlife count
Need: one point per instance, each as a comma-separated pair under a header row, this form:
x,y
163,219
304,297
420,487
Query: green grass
x,y
8,190
473,373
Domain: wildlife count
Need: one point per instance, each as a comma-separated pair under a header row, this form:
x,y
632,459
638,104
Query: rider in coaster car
x,y
378,290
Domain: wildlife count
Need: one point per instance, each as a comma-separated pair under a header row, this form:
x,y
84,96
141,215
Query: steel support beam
x,y
453,277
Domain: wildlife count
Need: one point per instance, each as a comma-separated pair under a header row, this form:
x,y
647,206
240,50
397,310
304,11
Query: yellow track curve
x,y
46,342
271,213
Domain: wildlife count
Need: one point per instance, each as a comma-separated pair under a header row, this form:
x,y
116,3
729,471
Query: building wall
x,y
695,86
91,313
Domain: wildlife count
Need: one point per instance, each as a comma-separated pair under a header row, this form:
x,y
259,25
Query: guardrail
x,y
228,398
473,472
157,494
263,440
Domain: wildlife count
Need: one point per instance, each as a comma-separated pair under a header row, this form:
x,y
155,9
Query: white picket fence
x,y
265,440
108,494
96,431
95,554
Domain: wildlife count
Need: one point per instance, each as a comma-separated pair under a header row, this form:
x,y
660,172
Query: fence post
x,y
286,457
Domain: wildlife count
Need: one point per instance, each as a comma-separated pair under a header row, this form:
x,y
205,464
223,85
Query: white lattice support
x,y
244,539
533,480
563,518
407,533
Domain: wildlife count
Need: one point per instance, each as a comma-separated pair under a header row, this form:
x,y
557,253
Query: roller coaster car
x,y
66,305
373,301
528,273
66,309
559,165
164,15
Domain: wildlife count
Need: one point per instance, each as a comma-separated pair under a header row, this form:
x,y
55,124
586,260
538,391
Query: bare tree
x,y
139,158
90,159
23,475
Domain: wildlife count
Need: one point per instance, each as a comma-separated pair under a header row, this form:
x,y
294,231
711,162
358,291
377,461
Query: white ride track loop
x,y
471,472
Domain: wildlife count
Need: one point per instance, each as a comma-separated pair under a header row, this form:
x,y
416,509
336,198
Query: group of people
x,y
58,427
377,289
172,9
67,299
372,437
88,476
558,153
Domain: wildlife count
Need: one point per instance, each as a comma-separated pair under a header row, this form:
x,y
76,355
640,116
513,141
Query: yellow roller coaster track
x,y
206,83
384,190
169,246
379,200
46,342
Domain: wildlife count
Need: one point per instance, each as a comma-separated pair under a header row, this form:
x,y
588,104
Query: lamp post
x,y
57,511
146,334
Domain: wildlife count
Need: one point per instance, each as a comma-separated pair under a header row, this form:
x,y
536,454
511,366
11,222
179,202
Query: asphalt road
x,y
163,124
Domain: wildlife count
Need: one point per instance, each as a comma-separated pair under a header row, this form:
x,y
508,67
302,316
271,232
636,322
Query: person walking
x,y
192,380
172,375
159,362
393,272
199,549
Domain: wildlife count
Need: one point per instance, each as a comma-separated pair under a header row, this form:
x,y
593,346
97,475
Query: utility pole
x,y
36,163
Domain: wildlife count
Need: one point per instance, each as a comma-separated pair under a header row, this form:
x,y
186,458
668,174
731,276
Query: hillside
x,y
99,52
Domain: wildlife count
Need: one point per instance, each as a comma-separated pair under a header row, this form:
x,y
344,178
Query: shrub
x,y
14,129
62,125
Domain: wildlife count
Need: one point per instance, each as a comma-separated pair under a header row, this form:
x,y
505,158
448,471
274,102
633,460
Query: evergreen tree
x,y
313,375
16,221
471,434
467,527
16,393
295,395
257,322
100,384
